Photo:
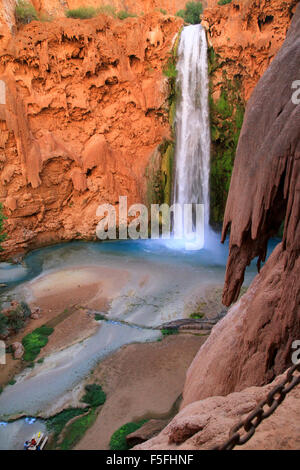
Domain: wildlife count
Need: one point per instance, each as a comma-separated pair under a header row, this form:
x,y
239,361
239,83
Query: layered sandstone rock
x,y
85,107
252,343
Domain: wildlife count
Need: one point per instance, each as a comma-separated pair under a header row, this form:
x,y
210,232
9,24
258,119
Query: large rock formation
x,y
253,342
244,36
84,108
205,424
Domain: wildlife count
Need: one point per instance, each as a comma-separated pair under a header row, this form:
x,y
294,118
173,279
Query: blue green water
x,y
174,280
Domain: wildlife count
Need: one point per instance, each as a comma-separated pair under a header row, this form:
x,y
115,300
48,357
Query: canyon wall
x,y
85,117
85,108
244,36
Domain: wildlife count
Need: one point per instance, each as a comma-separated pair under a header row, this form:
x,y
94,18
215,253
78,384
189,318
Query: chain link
x,y
274,398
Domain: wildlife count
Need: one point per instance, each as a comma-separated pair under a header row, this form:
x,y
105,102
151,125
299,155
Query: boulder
x,y
18,350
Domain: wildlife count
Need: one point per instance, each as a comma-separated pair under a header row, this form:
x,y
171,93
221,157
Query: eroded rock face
x,y
85,107
206,423
246,35
252,344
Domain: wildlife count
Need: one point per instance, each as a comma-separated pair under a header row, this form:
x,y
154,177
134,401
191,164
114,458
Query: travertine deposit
x,y
85,108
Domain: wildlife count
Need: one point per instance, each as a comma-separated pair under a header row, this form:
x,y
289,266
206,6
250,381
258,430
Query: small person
x,y
26,445
33,442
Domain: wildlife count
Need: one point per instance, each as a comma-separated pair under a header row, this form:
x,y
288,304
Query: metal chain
x,y
274,398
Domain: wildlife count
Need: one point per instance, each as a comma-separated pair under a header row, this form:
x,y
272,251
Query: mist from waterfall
x,y
192,150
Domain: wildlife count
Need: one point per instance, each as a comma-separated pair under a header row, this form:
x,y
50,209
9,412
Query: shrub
x,y
118,439
1,390
82,12
12,382
169,331
197,316
108,10
94,395
56,423
25,309
191,13
123,14
15,319
76,430
181,13
25,12
35,341
170,69
3,324
99,317
223,2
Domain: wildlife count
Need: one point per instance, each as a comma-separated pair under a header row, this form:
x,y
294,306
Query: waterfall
x,y
192,150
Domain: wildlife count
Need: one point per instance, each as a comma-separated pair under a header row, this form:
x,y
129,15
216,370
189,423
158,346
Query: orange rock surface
x,y
85,107
246,35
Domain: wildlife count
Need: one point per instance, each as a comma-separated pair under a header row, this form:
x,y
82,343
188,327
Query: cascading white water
x,y
192,152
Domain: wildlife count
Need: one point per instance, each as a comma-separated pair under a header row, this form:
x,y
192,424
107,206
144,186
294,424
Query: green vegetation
x,y
3,235
76,430
164,12
123,14
169,331
1,389
118,439
83,13
94,395
108,10
3,325
99,317
197,316
56,423
170,69
12,382
35,341
167,170
191,13
224,2
15,319
226,114
25,12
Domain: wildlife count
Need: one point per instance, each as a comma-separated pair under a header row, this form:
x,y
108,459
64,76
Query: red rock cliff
x,y
86,106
